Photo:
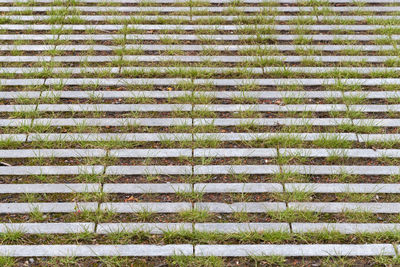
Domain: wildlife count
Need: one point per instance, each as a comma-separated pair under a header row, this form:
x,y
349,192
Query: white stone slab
x,y
48,188
343,188
47,228
321,153
113,122
56,207
251,207
241,227
345,228
154,207
152,228
148,170
146,137
94,250
322,250
336,169
337,207
234,169
238,187
169,188
109,107
13,137
150,153
51,153
50,170
235,152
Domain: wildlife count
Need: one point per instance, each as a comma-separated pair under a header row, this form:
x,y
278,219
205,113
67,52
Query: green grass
x,y
263,51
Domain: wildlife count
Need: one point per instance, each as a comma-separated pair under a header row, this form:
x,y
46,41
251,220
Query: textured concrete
x,y
149,137
113,122
232,169
346,228
150,170
115,65
134,207
65,207
94,250
50,170
48,188
295,250
51,153
343,188
150,153
337,169
241,227
152,228
234,152
170,188
251,207
47,228
337,207
238,187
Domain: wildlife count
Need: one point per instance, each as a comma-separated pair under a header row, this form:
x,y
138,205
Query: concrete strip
x,y
241,227
255,136
235,152
166,9
169,188
321,153
238,187
150,153
94,250
214,94
15,122
158,58
172,27
315,250
190,37
148,170
379,137
66,207
234,169
50,170
250,207
183,47
151,228
114,94
337,169
346,228
273,121
13,137
338,207
109,107
126,18
122,137
156,207
48,188
47,228
51,153
343,188
113,122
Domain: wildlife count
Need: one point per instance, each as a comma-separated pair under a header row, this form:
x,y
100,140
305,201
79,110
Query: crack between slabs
x,y
40,92
101,183
42,86
192,159
351,119
102,175
123,48
283,185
